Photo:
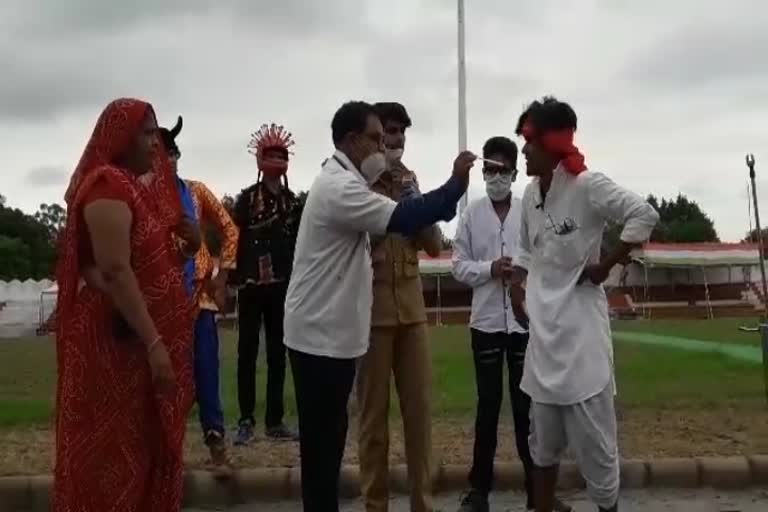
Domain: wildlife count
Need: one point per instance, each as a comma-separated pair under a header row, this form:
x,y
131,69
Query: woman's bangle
x,y
152,346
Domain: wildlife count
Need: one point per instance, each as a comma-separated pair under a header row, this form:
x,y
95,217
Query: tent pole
x,y
439,319
764,320
706,294
646,309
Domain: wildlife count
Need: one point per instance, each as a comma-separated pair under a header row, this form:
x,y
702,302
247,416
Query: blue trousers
x,y
207,373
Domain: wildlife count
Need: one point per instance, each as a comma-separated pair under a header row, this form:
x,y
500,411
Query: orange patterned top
x,y
208,209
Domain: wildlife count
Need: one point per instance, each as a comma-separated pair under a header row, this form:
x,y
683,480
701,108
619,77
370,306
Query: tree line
x,y
28,242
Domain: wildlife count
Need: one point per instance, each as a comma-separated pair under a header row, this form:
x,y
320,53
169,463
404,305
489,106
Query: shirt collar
x,y
489,203
348,165
559,175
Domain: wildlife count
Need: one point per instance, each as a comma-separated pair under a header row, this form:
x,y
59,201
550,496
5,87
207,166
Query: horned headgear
x,y
169,138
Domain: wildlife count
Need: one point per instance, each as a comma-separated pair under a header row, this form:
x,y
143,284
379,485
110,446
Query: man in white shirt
x,y
328,304
568,368
484,250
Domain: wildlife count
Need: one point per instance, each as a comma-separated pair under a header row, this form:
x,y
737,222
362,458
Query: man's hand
x,y
217,290
501,268
188,230
404,181
595,274
517,299
397,168
463,164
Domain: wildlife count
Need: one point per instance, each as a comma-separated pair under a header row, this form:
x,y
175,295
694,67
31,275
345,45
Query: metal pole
x,y
462,93
764,321
751,164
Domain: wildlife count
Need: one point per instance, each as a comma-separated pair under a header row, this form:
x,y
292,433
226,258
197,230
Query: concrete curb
x,y
201,489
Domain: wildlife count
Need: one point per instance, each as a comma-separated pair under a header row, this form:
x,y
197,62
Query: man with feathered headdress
x,y
268,215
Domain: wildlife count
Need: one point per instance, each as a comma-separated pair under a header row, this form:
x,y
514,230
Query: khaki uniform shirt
x,y
398,298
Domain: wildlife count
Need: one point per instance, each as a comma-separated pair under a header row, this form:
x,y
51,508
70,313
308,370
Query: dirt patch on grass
x,y
643,433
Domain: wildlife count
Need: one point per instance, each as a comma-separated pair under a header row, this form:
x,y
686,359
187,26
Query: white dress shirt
x,y
570,352
481,238
330,293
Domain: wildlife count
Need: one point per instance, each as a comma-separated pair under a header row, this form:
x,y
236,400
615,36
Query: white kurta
x,y
570,352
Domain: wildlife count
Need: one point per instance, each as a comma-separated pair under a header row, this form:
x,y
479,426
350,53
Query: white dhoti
x,y
589,429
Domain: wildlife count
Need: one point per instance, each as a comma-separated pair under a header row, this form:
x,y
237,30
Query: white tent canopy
x,y
22,291
697,255
440,265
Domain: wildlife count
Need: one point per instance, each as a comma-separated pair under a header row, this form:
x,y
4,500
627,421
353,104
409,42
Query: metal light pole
x,y
462,94
764,320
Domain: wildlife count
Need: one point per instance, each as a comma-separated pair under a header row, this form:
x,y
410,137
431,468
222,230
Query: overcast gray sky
x,y
670,94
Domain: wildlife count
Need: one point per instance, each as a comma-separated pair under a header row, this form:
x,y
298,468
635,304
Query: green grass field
x,y
648,376
723,330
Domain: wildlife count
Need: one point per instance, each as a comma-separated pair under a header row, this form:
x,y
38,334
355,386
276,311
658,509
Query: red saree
x,y
119,444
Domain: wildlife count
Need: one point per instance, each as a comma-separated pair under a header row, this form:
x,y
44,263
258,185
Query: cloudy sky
x,y
670,94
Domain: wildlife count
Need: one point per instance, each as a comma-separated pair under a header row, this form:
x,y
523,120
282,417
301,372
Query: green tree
x,y
753,238
682,221
33,241
53,217
14,259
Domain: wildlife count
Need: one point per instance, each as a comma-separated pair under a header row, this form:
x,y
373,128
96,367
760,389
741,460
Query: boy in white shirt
x,y
568,368
484,250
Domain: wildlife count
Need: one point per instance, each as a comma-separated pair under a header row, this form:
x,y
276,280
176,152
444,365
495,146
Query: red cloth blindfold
x,y
560,143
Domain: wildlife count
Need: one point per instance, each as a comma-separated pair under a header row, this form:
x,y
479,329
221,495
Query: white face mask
x,y
393,155
498,186
373,167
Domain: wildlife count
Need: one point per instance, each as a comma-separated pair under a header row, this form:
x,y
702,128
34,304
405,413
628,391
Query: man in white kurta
x,y
569,371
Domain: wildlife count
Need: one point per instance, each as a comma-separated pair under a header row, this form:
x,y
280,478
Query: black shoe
x,y
474,501
244,433
562,507
558,506
282,433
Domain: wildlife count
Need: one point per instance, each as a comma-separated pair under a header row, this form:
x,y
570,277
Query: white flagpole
x,y
462,93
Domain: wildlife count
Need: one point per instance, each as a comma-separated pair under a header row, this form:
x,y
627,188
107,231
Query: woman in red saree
x,y
123,341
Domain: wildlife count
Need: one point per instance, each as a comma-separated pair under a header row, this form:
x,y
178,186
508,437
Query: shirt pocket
x,y
410,265
562,251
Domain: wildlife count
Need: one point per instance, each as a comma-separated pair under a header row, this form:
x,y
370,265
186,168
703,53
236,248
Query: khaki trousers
x,y
401,351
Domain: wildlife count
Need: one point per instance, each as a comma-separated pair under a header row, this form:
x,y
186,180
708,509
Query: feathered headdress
x,y
270,136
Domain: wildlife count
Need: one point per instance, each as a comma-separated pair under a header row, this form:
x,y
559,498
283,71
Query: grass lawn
x,y
724,330
647,376
672,393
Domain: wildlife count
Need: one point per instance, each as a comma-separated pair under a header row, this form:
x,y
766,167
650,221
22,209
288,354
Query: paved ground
x,y
700,500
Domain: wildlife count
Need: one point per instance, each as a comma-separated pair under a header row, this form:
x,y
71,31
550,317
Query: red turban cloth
x,y
560,143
